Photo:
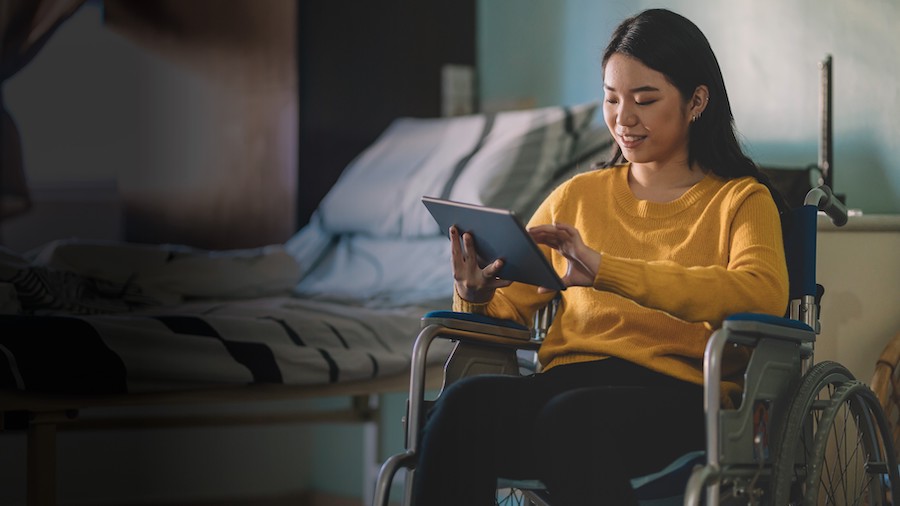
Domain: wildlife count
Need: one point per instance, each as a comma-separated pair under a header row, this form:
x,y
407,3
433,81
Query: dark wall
x,y
362,64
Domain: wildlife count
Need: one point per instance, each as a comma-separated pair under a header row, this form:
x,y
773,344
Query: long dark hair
x,y
672,45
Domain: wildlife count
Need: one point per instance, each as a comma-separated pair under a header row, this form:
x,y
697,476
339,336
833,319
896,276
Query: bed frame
x,y
42,416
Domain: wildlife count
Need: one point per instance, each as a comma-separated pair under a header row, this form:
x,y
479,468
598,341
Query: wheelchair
x,y
804,433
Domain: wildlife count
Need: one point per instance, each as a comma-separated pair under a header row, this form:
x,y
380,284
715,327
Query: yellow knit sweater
x,y
669,273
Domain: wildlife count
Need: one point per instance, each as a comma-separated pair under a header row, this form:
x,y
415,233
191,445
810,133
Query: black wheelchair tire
x,y
796,437
846,474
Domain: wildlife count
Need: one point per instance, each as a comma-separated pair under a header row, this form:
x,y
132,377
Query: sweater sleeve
x,y
754,279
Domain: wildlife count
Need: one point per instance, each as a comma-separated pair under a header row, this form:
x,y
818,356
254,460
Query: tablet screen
x,y
498,233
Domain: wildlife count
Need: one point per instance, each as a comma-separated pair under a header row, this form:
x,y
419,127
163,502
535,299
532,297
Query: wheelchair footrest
x,y
660,488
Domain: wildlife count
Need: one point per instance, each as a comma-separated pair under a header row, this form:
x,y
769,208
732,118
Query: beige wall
x,y
860,270
769,51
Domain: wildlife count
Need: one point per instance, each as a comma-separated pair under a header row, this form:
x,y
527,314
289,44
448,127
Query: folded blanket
x,y
39,289
101,277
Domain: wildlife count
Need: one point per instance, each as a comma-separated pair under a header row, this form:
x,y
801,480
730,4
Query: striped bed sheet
x,y
274,340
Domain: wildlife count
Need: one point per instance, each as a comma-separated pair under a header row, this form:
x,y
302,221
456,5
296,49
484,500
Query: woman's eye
x,y
611,101
644,102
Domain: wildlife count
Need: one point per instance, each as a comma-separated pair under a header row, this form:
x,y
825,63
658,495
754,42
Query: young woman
x,y
657,250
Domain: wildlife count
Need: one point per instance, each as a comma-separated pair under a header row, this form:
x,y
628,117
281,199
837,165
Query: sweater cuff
x,y
463,306
616,275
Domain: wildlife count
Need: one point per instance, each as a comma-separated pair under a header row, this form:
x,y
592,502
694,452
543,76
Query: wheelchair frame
x,y
777,447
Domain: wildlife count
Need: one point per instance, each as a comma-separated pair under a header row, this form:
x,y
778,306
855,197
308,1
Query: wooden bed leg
x,y
41,487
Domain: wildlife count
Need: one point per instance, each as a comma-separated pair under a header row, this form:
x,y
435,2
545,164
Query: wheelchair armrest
x,y
747,328
476,328
466,327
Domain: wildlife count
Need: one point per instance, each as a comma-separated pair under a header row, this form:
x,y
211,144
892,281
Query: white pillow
x,y
383,271
411,158
498,160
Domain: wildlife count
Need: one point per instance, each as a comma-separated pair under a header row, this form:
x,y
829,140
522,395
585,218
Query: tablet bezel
x,y
498,233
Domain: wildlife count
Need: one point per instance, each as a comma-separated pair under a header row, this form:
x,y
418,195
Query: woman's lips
x,y
631,141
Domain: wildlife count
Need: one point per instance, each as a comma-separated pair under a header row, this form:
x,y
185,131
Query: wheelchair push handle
x,y
824,200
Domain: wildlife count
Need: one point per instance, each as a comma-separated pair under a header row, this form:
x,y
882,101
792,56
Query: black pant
x,y
583,429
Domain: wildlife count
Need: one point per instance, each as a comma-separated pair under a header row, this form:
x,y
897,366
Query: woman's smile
x,y
640,101
630,141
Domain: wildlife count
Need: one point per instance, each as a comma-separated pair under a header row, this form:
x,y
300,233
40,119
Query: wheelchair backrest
x,y
800,251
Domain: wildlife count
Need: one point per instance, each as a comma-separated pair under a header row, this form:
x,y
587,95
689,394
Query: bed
x,y
330,312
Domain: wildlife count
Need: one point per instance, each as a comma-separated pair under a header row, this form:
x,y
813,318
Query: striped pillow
x,y
497,160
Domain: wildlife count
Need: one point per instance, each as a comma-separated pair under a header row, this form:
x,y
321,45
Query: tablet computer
x,y
498,233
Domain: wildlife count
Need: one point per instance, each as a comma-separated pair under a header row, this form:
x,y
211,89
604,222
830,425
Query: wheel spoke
x,y
828,463
849,446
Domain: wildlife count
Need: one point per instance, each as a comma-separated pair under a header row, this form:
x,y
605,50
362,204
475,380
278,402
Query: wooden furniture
x,y
886,385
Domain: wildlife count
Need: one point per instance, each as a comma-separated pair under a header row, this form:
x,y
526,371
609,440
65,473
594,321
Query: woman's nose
x,y
626,116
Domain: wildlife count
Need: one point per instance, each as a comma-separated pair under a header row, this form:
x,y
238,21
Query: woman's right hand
x,y
473,283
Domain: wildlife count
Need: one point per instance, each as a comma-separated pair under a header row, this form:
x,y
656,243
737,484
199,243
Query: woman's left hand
x,y
583,261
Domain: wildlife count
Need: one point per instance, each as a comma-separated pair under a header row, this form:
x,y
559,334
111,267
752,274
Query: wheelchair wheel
x,y
832,450
796,437
853,448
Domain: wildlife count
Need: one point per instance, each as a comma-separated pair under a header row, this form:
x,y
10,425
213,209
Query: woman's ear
x,y
699,101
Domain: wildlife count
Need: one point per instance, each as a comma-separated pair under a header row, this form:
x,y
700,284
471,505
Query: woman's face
x,y
645,113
